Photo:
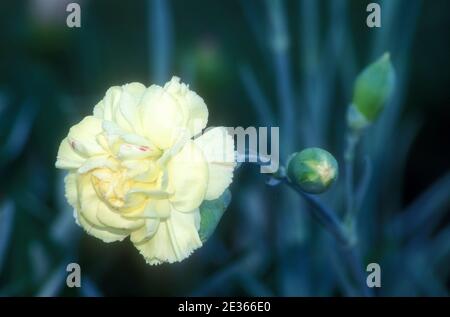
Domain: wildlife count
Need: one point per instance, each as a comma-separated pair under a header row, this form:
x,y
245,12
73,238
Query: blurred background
x,y
256,63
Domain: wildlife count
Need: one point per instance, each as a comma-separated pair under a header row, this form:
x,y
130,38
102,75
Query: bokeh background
x,y
256,63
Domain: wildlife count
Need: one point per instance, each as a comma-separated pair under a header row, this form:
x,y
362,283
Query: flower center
x,y
112,186
325,171
126,186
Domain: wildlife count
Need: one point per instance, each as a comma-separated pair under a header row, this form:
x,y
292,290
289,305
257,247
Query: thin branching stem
x,y
349,157
324,215
364,183
345,238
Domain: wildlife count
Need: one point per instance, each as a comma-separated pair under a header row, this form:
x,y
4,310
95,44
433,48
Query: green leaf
x,y
211,212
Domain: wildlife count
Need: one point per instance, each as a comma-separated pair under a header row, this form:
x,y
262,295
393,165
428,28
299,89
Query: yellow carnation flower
x,y
135,168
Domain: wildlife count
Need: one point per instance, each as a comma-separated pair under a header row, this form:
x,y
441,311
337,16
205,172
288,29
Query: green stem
x,y
328,219
352,209
349,157
351,255
324,215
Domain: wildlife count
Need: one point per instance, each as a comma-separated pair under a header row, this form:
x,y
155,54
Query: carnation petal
x,y
192,105
175,239
102,233
88,200
80,144
127,113
188,178
110,103
162,117
82,137
70,184
157,209
67,158
113,219
145,232
217,146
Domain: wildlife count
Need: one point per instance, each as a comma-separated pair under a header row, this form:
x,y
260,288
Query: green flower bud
x,y
373,87
355,119
313,169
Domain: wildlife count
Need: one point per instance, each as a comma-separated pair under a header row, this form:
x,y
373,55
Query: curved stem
x,y
364,183
354,262
324,215
345,238
349,157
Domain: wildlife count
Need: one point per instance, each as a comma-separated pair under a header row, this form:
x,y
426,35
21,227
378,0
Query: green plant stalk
x,y
324,215
349,158
343,236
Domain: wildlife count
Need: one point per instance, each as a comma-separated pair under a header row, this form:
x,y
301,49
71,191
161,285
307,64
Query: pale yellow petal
x,y
113,219
82,137
162,118
217,146
99,161
71,192
120,105
157,209
102,233
127,115
192,105
67,158
145,232
175,239
110,103
80,144
88,200
99,110
187,177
